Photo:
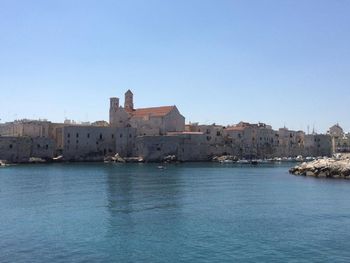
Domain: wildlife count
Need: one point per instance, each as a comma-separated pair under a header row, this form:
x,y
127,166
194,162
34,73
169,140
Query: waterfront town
x,y
153,134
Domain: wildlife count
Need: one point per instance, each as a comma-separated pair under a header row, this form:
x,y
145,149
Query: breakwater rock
x,y
2,163
225,158
331,168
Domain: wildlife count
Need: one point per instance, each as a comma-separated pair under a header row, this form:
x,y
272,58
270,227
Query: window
x,y
112,136
47,146
38,146
77,141
101,136
77,135
68,135
10,146
121,135
129,135
88,135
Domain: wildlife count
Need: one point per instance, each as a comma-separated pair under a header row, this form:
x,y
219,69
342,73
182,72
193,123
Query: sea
x,y
190,212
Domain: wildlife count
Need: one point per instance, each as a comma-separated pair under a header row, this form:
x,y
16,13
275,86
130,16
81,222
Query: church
x,y
147,121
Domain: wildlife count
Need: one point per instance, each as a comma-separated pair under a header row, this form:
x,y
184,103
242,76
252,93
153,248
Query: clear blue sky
x,y
280,62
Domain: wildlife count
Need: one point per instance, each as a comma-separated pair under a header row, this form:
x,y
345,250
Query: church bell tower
x,y
129,101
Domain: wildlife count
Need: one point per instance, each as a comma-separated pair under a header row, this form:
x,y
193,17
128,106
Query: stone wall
x,y
88,142
317,145
20,149
186,147
94,143
125,141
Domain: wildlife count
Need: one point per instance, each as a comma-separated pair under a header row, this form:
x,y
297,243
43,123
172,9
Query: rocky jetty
x,y
329,167
116,158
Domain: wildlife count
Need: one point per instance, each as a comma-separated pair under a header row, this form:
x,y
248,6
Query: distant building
x,y
340,140
147,121
336,131
155,132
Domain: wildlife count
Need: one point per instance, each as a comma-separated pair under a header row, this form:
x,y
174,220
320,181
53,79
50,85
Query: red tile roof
x,y
152,112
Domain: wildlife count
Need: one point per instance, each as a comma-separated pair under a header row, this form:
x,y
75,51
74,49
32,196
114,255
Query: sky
x,y
284,63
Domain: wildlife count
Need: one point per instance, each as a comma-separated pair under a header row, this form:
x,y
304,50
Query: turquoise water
x,y
185,213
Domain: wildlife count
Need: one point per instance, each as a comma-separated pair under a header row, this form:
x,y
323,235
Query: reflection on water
x,y
185,213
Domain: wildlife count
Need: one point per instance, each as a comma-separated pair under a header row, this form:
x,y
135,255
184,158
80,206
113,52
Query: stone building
x,y
155,132
252,140
147,121
290,143
214,133
317,145
81,142
30,128
94,142
340,140
21,149
336,131
185,146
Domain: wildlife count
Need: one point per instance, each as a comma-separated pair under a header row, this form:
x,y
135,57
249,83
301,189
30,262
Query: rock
x,y
118,158
325,167
225,158
170,159
310,173
36,160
